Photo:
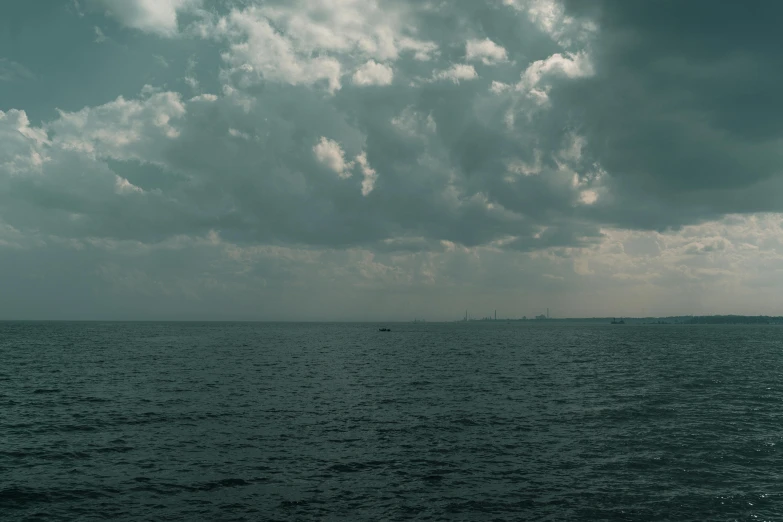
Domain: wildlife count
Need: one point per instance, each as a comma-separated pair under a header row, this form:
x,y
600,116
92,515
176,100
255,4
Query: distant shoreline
x,y
681,320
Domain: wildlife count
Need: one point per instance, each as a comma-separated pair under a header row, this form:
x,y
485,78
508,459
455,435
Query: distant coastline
x,y
678,319
675,320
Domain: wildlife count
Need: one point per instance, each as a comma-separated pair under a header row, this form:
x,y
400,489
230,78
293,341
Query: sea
x,y
455,421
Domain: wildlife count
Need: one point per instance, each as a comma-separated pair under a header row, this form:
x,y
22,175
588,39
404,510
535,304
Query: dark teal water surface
x,y
498,421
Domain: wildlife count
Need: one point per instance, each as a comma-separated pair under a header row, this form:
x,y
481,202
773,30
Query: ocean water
x,y
497,421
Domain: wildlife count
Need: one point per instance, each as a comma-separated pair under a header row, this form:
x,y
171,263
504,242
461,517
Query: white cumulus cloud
x,y
372,73
369,174
330,154
485,50
121,129
123,186
308,42
153,16
569,65
258,51
456,73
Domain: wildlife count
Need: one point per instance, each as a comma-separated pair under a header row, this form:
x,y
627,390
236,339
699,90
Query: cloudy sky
x,y
389,159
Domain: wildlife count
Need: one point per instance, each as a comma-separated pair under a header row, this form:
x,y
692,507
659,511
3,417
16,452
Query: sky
x,y
389,159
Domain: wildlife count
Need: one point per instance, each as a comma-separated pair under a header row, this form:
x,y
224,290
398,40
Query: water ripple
x,y
211,421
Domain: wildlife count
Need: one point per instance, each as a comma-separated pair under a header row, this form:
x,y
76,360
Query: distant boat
x,y
615,321
384,329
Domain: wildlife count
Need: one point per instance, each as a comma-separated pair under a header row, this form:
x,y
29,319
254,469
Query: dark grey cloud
x,y
681,109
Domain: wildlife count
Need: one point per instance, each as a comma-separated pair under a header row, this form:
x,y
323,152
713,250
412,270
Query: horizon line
x,y
370,321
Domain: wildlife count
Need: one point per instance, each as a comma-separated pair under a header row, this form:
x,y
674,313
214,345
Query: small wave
x,y
78,427
92,399
16,496
114,449
224,483
433,478
355,467
465,421
165,488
